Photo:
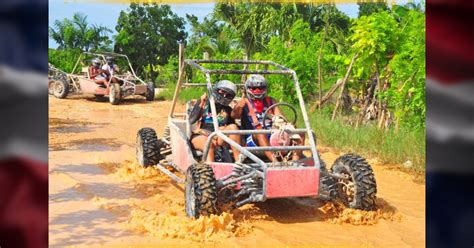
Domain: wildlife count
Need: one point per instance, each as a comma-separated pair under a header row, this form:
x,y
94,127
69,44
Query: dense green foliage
x,y
149,35
63,59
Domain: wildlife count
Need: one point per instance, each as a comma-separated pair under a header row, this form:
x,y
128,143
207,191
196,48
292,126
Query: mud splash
x,y
132,171
170,222
173,225
165,218
337,213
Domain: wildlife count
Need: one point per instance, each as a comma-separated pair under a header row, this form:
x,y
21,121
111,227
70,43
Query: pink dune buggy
x,y
60,86
252,178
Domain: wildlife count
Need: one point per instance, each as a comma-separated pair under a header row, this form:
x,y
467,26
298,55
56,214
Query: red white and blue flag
x,y
450,123
23,123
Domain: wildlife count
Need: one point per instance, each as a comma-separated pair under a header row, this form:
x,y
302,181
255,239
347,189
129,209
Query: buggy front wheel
x,y
150,92
114,93
200,191
148,147
359,189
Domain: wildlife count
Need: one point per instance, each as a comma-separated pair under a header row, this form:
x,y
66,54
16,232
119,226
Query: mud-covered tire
x,y
114,93
200,191
60,89
150,92
148,147
363,188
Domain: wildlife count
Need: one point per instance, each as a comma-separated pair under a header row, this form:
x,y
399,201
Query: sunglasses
x,y
225,94
257,88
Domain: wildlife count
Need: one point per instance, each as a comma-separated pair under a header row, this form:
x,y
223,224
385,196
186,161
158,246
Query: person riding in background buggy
x,y
96,73
251,108
111,68
224,92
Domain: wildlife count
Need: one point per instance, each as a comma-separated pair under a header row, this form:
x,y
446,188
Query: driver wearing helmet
x,y
111,68
223,92
251,108
95,72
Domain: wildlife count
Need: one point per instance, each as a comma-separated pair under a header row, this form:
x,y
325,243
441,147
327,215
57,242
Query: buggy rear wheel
x,y
200,191
150,92
51,86
60,88
360,189
114,94
148,147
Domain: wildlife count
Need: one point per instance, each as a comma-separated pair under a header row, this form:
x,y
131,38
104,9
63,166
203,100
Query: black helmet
x,y
256,87
110,60
230,91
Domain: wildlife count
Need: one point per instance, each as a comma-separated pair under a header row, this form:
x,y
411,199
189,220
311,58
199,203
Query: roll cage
x,y
246,152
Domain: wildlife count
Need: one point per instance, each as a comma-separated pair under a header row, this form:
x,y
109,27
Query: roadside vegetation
x,y
363,78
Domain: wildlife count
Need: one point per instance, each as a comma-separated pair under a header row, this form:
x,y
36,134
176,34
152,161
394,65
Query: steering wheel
x,y
268,115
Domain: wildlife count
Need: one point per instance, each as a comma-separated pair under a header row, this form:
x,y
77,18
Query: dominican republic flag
x,y
450,123
23,123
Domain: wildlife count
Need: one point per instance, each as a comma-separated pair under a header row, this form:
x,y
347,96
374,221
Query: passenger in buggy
x,y
223,92
251,108
111,69
95,72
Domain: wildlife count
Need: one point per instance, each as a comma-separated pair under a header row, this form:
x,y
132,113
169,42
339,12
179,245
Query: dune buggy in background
x,y
129,84
208,186
58,82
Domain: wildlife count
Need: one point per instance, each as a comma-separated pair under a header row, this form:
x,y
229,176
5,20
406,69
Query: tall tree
x,y
149,34
77,33
334,25
253,23
367,8
211,36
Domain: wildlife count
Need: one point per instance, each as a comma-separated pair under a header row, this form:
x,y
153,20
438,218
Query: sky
x,y
106,14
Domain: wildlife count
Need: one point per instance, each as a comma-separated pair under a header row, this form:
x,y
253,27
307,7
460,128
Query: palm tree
x,y
78,34
253,23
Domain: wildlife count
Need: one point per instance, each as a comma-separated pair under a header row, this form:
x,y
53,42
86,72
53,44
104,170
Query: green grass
x,y
184,95
391,146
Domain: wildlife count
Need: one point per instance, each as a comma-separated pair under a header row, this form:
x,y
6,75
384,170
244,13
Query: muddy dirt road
x,y
99,196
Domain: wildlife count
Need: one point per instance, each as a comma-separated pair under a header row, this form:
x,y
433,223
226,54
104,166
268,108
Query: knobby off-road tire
x,y
200,191
363,187
114,94
148,147
60,88
150,92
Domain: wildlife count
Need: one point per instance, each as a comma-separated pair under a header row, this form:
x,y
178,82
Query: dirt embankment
x,y
100,196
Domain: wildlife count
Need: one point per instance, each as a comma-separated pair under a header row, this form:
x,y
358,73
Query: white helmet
x,y
224,98
96,62
256,86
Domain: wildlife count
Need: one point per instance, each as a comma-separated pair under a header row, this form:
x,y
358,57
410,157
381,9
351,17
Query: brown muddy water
x,y
98,195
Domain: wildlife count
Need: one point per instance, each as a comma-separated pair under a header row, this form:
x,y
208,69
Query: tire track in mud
x,y
135,205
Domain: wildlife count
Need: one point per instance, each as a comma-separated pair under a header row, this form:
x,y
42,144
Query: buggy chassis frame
x,y
258,167
127,82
